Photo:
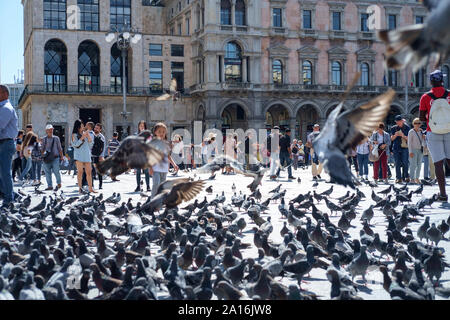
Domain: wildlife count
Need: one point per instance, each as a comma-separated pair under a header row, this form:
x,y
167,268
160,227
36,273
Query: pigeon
x,y
359,264
173,192
345,131
416,44
172,92
434,234
133,153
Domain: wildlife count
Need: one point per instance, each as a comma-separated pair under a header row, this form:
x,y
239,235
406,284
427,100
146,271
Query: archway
x,y
277,115
307,116
234,117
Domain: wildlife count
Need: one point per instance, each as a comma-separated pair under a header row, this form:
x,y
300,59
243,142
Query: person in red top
x,y
438,144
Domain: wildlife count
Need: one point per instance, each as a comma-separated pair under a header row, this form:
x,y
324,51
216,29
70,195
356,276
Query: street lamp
x,y
125,36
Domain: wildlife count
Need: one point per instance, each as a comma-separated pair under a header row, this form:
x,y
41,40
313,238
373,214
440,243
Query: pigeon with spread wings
x,y
415,44
171,93
345,131
173,192
134,153
220,162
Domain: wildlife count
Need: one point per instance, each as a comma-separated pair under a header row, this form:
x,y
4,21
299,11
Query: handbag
x,y
48,155
421,145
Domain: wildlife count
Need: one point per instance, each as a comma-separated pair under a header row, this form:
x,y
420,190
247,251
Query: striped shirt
x,y
113,145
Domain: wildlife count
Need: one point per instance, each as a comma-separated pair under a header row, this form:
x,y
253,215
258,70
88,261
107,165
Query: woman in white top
x,y
160,170
178,150
229,148
362,155
416,143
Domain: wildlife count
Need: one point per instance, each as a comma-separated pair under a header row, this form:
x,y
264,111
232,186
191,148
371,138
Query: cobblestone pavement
x,y
318,282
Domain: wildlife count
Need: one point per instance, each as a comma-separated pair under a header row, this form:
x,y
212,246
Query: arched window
x,y
364,74
233,63
307,72
225,12
117,69
277,72
55,68
445,71
239,13
336,73
88,66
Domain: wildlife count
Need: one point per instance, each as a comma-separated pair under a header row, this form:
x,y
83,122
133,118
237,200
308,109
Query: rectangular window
x,y
89,10
172,31
277,18
307,23
364,19
155,49
188,27
336,20
120,13
392,22
55,14
156,75
179,29
392,78
419,19
177,50
178,74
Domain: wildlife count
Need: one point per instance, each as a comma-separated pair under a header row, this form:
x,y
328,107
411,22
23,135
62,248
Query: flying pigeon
x,y
415,44
345,131
134,153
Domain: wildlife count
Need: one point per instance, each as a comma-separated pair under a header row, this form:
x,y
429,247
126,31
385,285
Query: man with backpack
x,y
98,152
435,111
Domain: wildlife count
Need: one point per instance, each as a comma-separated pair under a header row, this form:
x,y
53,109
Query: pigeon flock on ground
x,y
90,247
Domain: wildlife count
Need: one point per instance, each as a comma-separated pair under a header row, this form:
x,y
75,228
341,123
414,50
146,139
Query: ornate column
x,y
244,69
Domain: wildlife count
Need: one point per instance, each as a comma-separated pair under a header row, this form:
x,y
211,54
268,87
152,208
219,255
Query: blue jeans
x,y
36,171
138,177
284,158
157,178
7,149
401,163
52,167
363,164
27,169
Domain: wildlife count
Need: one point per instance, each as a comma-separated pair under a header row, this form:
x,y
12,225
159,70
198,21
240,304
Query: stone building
x,y
238,63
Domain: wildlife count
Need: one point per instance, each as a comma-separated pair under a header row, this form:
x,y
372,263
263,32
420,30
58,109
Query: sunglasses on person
x,y
419,123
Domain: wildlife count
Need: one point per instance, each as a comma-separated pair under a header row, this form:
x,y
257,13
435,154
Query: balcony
x,y
94,91
308,33
366,35
337,34
303,88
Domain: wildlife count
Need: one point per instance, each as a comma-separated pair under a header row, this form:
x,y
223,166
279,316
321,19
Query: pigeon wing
x,y
164,97
173,85
169,184
185,191
355,125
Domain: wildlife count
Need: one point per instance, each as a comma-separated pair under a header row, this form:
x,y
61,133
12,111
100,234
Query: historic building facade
x,y
239,63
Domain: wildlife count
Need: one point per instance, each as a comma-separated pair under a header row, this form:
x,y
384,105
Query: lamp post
x,y
124,36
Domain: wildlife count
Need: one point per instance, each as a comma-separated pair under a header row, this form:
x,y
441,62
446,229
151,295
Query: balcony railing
x,y
93,90
319,88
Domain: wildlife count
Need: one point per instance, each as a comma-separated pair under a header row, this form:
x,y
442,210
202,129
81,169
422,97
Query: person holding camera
x,y
381,139
416,142
399,138
82,143
52,154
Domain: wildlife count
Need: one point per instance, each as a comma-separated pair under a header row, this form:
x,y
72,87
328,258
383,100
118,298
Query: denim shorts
x,y
438,145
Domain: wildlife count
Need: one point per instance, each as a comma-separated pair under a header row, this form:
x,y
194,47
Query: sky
x,y
11,39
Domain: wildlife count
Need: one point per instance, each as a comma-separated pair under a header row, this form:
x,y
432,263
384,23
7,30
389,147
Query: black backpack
x,y
97,148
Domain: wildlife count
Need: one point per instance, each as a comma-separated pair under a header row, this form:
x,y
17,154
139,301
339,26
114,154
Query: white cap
x,y
48,127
